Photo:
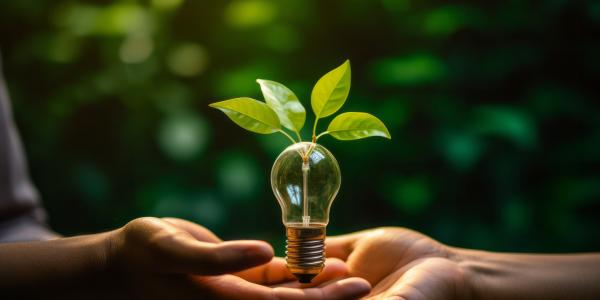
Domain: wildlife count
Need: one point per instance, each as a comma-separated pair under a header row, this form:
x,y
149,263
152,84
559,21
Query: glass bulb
x,y
305,180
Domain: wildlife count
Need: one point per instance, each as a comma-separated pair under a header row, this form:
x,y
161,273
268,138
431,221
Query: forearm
x,y
64,261
530,276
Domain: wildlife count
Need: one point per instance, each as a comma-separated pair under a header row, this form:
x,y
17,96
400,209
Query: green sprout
x,y
282,110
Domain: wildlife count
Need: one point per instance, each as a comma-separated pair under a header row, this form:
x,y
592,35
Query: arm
x,y
145,247
49,263
152,258
404,264
531,276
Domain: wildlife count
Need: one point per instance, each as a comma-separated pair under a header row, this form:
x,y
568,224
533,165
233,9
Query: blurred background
x,y
492,105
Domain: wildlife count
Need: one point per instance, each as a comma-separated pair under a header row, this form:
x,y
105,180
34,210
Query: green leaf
x,y
331,91
284,102
250,114
356,125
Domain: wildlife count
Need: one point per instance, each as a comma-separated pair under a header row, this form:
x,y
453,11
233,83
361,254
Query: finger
x,y
432,278
230,287
349,288
197,231
275,271
183,254
233,287
341,246
334,268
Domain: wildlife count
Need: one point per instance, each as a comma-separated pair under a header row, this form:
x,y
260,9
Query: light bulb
x,y
305,180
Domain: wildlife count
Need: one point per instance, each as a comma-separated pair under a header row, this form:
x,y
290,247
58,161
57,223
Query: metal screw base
x,y
305,254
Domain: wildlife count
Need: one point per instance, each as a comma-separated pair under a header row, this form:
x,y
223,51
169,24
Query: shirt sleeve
x,y
22,217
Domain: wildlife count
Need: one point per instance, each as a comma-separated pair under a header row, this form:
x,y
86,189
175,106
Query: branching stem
x,y
314,135
287,135
320,135
299,137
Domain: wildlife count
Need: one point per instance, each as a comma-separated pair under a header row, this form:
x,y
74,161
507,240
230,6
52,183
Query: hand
x,y
401,264
176,259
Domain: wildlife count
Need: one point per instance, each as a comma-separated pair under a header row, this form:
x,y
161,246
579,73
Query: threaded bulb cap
x,y
305,251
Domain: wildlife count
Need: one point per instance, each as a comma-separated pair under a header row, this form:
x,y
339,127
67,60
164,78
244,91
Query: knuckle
x,y
139,223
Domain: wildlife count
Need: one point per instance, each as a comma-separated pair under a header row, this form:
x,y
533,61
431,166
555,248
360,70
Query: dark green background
x,y
492,105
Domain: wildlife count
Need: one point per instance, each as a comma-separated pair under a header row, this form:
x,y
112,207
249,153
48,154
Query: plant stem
x,y
322,134
306,155
287,135
299,137
315,129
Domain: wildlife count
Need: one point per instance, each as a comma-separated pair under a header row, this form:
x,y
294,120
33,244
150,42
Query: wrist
x,y
107,279
112,244
96,272
473,266
96,253
492,275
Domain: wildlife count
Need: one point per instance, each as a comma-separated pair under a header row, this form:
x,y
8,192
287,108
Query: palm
x,y
400,263
175,259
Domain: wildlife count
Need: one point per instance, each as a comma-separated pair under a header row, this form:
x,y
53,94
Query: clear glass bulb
x,y
305,180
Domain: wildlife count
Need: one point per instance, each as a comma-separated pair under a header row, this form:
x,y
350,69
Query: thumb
x,y
188,255
341,246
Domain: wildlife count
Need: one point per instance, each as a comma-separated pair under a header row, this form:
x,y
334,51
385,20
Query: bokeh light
x,y
492,106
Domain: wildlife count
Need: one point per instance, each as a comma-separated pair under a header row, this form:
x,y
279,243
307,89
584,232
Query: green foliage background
x,y
492,106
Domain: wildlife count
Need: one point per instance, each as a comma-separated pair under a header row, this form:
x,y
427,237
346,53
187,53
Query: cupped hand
x,y
176,259
401,264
